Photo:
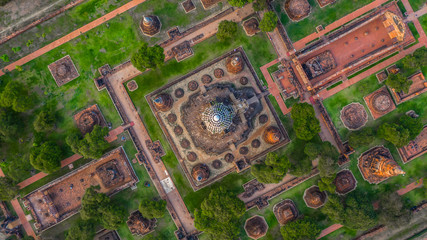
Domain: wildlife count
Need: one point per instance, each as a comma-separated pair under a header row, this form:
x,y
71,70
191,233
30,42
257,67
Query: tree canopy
x,y
328,157
306,125
98,207
9,124
81,230
394,133
301,163
259,5
46,158
272,170
354,211
410,62
398,82
414,125
152,209
421,56
392,210
148,57
93,145
238,3
327,183
8,189
300,229
363,137
268,22
226,30
16,96
219,214
45,121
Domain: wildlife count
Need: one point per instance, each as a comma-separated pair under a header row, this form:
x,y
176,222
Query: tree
x,y
238,3
226,30
259,5
362,137
394,133
301,163
327,183
300,229
354,211
46,158
152,209
414,125
93,145
45,121
392,210
306,125
327,154
398,82
16,96
410,62
272,170
148,57
421,56
219,214
8,189
81,230
9,124
98,207
268,22
4,57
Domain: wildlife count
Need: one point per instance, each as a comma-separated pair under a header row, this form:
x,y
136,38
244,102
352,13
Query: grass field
x,y
423,22
318,16
417,4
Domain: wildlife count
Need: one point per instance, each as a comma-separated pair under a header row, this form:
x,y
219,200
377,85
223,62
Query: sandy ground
x,y
18,13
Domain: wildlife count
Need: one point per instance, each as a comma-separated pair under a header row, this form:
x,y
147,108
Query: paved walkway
x,y
329,229
21,215
273,88
410,187
72,35
117,79
359,12
112,136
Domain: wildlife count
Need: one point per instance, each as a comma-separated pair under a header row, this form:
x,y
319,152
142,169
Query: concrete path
x,y
72,35
273,88
359,12
112,136
410,187
21,215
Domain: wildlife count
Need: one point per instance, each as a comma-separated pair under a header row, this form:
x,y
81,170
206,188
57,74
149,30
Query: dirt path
x,y
72,35
359,12
21,215
112,136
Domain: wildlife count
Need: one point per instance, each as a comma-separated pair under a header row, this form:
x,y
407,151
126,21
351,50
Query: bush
x,y
45,121
4,57
268,22
300,229
238,3
259,5
362,137
81,230
394,133
414,125
93,145
16,96
226,30
8,189
398,82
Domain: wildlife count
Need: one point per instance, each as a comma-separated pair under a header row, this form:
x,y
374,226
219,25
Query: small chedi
x,y
377,165
297,9
314,198
256,227
150,25
218,119
251,26
63,70
88,118
345,182
379,102
285,211
140,226
354,116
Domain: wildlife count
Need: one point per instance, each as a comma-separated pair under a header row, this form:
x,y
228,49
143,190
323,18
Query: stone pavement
x,y
21,215
273,88
112,136
410,187
72,35
359,12
329,229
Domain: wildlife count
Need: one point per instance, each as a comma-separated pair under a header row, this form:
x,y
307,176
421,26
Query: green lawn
x,y
318,16
417,4
423,22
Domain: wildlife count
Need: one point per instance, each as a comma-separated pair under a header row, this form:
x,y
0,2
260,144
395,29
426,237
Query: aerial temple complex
x,y
354,116
150,25
218,119
63,70
377,165
256,227
352,47
61,198
297,9
345,182
379,102
140,226
285,211
88,118
314,198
